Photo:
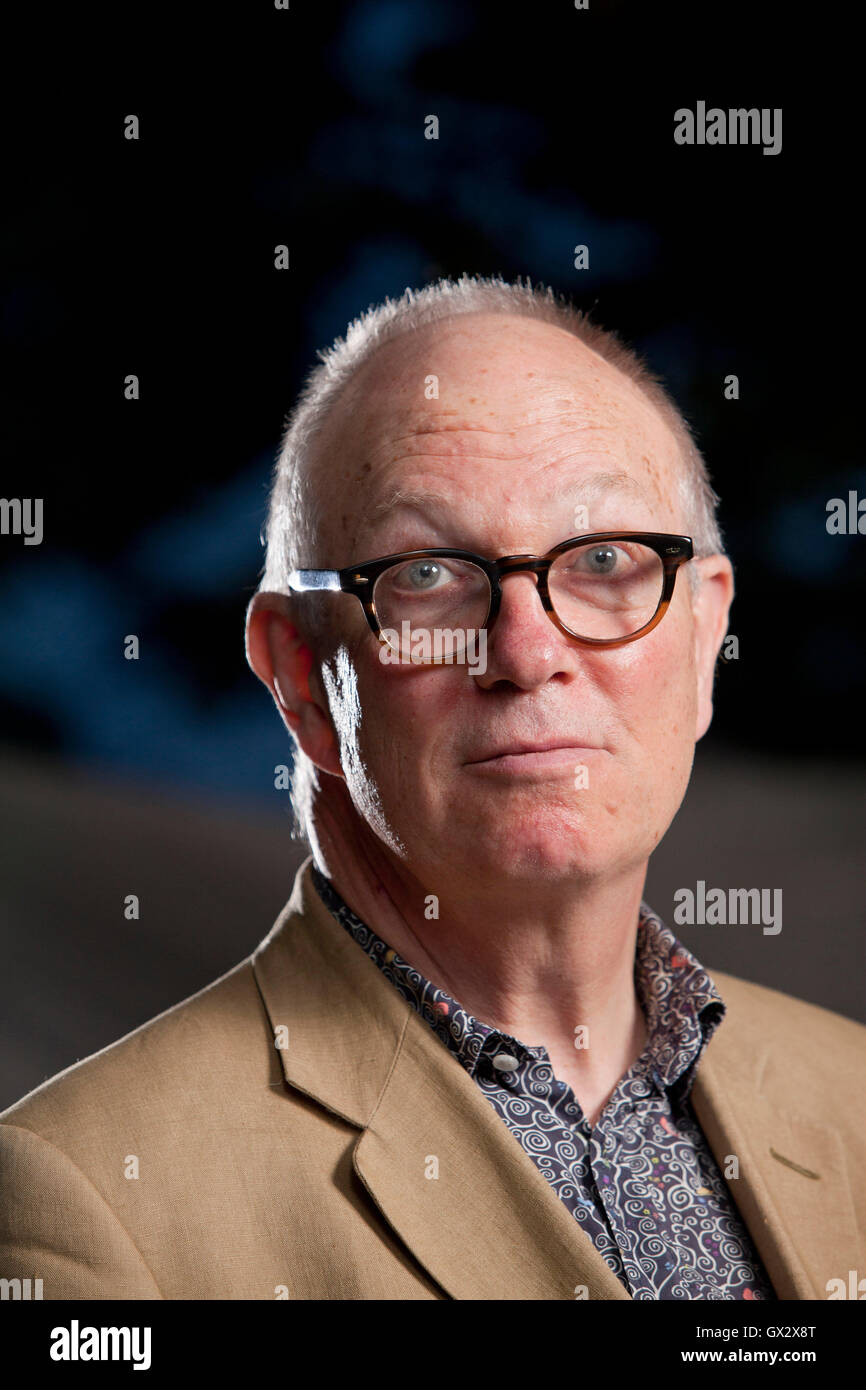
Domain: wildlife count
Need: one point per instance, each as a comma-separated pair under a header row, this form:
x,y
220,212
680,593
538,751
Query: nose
x,y
524,649
518,601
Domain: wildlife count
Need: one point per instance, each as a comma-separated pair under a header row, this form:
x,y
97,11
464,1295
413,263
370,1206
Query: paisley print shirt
x,y
643,1183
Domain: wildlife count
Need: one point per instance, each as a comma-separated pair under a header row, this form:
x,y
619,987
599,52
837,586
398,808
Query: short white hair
x,y
296,503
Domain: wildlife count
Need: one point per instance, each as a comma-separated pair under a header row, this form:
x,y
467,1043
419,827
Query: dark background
x,y
155,257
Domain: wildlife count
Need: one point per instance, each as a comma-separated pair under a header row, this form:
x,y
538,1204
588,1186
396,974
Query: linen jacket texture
x,y
282,1120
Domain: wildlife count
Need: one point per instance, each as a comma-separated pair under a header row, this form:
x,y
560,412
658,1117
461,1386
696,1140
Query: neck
x,y
537,961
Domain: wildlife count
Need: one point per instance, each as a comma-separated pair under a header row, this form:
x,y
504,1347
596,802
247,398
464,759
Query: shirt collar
x,y
682,1006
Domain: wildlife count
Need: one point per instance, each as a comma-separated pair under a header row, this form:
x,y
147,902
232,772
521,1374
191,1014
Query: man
x,y
468,1061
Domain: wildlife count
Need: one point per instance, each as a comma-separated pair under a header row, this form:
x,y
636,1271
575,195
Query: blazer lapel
x,y
793,1189
462,1193
437,1160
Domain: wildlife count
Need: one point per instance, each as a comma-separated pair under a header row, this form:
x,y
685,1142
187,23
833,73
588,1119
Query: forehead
x,y
525,403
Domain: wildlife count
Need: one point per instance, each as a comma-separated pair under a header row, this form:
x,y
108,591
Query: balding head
x,y
297,500
518,401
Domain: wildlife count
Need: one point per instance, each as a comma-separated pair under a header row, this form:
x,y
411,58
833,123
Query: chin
x,y
545,846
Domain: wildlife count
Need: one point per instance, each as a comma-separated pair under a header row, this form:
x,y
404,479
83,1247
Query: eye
x,y
600,559
420,576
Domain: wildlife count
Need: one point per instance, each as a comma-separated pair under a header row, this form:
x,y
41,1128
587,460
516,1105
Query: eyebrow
x,y
586,492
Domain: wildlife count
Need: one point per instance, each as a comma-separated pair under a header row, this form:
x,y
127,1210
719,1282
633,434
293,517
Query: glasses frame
x,y
360,580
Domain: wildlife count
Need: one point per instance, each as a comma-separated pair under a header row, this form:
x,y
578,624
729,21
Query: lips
x,y
520,746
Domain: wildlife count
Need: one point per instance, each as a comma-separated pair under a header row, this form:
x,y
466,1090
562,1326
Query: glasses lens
x,y
606,589
430,608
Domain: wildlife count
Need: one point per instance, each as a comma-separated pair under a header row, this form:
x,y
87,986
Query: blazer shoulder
x,y
204,1041
787,1014
807,1053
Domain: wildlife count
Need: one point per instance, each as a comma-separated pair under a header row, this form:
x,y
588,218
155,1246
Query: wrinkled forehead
x,y
525,403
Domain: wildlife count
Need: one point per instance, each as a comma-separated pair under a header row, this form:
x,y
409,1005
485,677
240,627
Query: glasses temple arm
x,y
302,581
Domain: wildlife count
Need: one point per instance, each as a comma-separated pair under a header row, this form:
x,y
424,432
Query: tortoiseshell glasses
x,y
602,590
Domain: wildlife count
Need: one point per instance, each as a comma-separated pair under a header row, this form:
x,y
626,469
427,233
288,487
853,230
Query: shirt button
x,y
503,1061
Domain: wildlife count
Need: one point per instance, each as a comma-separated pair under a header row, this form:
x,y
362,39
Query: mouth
x,y
549,756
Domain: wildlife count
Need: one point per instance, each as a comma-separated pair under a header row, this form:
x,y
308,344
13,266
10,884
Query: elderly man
x,y
468,1061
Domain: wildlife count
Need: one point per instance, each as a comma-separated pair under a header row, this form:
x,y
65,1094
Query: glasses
x,y
602,590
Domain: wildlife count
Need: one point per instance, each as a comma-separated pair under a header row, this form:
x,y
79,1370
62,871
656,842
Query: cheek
x,y
651,693
391,722
369,755
410,708
342,690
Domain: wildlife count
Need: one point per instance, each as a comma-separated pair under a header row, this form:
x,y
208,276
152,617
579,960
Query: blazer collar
x,y
489,1226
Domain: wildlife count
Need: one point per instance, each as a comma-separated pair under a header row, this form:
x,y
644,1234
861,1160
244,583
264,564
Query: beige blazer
x,y
197,1157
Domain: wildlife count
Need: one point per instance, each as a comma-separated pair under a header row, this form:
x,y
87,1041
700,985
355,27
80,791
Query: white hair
x,y
296,504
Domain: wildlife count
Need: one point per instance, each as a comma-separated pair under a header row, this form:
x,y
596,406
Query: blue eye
x,y
423,573
602,560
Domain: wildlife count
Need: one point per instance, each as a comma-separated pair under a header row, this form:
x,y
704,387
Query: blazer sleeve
x,y
55,1226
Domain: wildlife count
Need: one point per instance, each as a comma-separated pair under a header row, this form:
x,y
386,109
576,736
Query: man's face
x,y
529,425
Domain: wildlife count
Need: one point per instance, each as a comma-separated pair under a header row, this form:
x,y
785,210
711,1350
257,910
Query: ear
x,y
283,662
710,606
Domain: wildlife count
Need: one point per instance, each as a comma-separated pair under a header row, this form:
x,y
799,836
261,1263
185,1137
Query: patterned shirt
x,y
642,1183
